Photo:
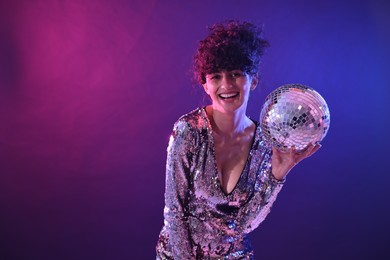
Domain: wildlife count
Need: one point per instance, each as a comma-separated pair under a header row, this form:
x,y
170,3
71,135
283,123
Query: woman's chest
x,y
231,160
207,185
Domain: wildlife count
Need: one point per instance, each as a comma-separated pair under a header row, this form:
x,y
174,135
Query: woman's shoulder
x,y
194,121
188,131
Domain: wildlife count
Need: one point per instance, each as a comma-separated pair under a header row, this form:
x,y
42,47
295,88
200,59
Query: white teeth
x,y
228,95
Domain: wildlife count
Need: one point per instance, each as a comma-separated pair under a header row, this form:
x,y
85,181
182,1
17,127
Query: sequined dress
x,y
201,221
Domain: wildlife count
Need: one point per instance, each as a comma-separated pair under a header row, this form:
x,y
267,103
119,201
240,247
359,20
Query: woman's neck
x,y
228,124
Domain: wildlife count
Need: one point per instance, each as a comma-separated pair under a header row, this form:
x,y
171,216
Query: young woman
x,y
221,177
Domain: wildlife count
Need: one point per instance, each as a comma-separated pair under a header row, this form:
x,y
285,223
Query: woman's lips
x,y
228,95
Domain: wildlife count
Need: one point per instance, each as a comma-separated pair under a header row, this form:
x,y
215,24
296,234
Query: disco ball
x,y
294,115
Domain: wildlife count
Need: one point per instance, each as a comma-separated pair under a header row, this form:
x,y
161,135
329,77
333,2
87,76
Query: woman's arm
x,y
272,176
178,174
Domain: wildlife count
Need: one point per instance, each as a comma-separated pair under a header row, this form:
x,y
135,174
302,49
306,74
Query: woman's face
x,y
229,90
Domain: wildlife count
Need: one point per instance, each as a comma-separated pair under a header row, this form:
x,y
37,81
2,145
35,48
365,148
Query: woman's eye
x,y
215,76
236,74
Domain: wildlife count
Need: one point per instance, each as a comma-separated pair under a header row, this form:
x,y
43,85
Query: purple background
x,y
89,91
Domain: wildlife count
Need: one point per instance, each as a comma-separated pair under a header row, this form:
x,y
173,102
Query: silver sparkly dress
x,y
201,221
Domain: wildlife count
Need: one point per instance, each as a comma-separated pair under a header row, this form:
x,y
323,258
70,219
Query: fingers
x,y
291,157
310,150
285,157
314,149
292,152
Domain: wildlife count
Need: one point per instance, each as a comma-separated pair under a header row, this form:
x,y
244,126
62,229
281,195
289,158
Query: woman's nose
x,y
227,81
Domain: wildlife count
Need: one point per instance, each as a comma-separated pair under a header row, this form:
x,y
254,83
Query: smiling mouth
x,y
229,95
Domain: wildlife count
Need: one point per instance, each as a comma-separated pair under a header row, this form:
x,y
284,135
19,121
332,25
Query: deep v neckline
x,y
212,144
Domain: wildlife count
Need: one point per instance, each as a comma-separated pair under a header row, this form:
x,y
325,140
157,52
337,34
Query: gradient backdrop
x,y
89,91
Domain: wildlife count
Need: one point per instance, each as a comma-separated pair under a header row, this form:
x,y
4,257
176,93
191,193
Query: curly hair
x,y
230,45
